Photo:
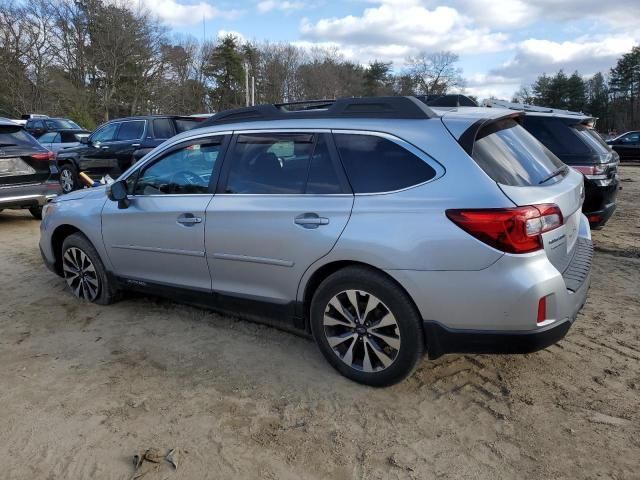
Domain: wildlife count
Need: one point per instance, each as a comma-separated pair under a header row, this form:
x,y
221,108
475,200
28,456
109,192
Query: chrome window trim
x,y
425,157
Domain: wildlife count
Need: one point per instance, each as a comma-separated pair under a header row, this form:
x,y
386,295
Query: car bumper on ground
x,y
25,196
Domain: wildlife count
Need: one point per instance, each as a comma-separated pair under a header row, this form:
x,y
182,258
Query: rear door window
x,y
512,156
162,128
48,137
267,163
375,164
131,130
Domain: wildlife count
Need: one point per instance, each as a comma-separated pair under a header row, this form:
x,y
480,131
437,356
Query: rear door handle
x,y
311,220
188,219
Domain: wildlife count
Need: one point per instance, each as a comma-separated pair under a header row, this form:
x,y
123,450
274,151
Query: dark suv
x,y
573,140
39,126
116,145
25,175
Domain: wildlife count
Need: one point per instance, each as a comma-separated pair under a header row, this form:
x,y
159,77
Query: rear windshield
x,y
592,139
512,156
13,137
58,123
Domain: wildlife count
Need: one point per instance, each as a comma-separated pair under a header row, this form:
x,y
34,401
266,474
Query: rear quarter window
x,y
512,156
375,164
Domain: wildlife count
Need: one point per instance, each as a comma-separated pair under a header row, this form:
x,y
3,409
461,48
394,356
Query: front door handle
x,y
105,147
188,219
311,220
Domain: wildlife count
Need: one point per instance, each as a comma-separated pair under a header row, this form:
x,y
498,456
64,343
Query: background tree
x,y
435,73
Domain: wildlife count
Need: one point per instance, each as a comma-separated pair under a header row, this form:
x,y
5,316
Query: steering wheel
x,y
189,177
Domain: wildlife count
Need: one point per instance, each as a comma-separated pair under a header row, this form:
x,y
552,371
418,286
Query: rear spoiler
x,y
468,139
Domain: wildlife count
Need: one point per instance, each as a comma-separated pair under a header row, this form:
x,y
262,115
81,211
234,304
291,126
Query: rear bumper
x,y
441,340
25,196
600,200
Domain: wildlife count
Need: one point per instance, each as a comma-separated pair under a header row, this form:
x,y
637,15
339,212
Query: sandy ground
x,y
83,388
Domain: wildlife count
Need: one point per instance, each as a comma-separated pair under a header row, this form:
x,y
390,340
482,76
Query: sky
x,y
502,44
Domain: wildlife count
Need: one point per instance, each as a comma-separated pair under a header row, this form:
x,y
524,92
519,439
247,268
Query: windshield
x,y
512,156
60,123
184,124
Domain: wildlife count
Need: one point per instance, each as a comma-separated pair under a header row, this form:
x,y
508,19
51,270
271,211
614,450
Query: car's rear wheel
x,y
84,272
69,178
366,326
36,212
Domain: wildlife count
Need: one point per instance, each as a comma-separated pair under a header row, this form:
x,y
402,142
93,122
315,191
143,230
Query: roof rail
x,y
523,107
363,107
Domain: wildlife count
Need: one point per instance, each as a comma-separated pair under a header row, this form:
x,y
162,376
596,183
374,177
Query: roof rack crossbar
x,y
362,107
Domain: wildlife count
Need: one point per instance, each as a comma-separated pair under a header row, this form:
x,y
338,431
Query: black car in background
x,y
571,137
116,145
26,180
39,126
627,146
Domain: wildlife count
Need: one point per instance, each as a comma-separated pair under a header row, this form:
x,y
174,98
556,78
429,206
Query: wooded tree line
x,y
91,60
613,97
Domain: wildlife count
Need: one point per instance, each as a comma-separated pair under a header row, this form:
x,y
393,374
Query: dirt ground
x,y
83,388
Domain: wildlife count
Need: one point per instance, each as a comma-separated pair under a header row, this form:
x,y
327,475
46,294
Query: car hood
x,y
86,193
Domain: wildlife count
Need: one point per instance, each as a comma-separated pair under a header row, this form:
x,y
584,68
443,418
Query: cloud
x,y
225,33
519,13
269,5
587,55
395,29
176,13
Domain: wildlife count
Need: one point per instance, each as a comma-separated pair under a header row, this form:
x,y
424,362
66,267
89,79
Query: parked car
x,y
25,176
61,140
627,146
379,226
571,137
39,126
116,145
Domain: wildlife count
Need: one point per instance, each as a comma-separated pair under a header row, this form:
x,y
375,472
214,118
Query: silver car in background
x,y
63,139
381,227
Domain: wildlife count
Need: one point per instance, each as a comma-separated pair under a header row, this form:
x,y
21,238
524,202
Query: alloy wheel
x,y
80,274
66,179
361,330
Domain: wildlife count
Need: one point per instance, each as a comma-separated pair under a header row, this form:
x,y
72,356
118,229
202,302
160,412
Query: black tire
x,y
391,298
106,291
36,212
69,180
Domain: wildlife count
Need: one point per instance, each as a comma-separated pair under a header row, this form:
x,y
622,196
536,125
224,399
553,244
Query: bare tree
x,y
435,73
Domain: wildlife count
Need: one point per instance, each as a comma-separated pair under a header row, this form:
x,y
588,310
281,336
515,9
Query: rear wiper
x,y
8,144
553,174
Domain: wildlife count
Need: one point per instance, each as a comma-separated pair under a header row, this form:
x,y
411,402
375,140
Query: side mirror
x,y
84,140
117,192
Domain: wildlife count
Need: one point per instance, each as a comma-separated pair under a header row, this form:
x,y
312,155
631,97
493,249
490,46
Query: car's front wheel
x,y
366,326
84,272
69,178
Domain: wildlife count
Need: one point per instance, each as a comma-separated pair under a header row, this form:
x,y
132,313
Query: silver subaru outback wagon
x,y
379,226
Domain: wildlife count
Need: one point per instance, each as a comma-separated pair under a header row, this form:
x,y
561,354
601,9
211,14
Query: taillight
x,y
44,156
593,172
512,230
